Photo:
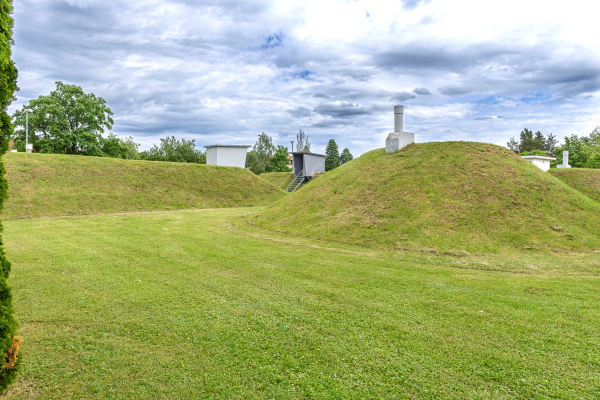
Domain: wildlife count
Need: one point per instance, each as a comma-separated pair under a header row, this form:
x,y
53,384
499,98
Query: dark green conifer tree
x,y
332,156
9,342
346,156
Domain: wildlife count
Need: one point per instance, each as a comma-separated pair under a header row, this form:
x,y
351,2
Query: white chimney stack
x,y
398,118
565,163
399,138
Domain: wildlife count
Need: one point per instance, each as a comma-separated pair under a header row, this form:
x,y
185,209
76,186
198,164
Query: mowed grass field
x,y
200,304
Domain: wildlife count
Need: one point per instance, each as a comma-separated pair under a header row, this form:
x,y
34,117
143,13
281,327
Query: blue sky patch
x,y
273,41
306,74
538,97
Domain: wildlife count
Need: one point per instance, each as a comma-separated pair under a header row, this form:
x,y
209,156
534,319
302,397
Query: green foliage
x,y
279,161
67,121
264,147
302,142
529,141
8,86
332,156
55,185
254,163
440,197
584,151
533,153
116,147
174,150
346,156
258,159
265,157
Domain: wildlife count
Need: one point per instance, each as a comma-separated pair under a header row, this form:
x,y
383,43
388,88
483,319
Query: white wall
x,y
313,164
226,156
211,156
544,165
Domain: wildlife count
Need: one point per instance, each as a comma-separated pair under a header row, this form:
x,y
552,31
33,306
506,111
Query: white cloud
x,y
224,71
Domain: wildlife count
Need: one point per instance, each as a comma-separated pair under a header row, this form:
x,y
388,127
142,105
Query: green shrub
x,y
9,343
534,153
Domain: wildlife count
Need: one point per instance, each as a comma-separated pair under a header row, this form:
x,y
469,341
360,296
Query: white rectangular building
x,y
226,155
541,162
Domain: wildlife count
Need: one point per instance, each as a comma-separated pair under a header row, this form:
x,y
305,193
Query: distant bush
x,y
175,150
534,153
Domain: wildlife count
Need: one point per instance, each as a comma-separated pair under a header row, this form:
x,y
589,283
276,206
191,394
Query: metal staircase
x,y
296,182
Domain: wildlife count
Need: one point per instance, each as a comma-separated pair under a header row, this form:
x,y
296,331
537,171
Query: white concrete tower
x,y
399,138
398,118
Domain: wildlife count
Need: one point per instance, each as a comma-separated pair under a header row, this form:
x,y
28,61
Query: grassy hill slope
x,y
587,181
452,196
277,178
54,185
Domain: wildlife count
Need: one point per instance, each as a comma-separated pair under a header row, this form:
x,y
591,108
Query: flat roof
x,y
308,152
538,158
227,145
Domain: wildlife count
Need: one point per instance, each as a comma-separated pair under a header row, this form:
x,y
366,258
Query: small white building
x,y
226,155
541,162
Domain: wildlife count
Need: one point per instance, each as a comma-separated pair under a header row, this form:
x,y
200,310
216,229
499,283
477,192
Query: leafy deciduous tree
x,y
116,147
584,151
303,142
279,160
258,159
67,121
175,150
9,342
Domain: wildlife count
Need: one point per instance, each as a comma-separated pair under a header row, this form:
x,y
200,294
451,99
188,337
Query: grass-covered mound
x,y
56,185
452,196
587,181
277,178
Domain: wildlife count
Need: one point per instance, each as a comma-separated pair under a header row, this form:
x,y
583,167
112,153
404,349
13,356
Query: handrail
x,y
299,182
296,177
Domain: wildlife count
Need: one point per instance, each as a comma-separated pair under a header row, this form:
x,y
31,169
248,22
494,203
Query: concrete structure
x,y
399,138
565,163
541,162
308,164
226,155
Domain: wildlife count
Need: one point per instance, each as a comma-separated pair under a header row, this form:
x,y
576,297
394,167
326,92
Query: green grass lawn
x,y
199,304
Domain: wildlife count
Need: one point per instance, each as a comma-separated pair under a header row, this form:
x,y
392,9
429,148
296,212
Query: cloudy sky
x,y
225,71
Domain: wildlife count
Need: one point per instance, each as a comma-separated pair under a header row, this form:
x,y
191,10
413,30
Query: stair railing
x,y
301,173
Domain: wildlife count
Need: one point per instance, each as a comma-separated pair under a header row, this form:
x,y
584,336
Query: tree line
x,y
584,151
70,121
